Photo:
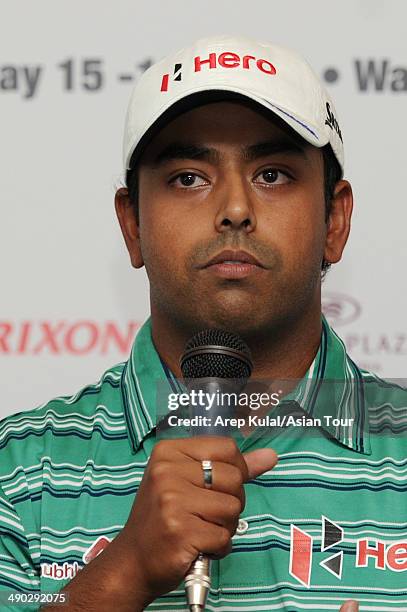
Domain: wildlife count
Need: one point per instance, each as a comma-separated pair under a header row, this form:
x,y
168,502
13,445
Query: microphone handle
x,y
198,583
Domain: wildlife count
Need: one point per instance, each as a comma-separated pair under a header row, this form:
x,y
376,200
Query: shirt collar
x,y
333,385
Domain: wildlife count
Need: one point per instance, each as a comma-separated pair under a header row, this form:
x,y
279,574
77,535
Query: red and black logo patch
x,y
177,76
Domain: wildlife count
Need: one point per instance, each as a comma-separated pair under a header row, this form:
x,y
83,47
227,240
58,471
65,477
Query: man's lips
x,y
233,264
234,258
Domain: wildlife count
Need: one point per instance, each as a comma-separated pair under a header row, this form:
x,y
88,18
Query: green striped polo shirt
x,y
328,523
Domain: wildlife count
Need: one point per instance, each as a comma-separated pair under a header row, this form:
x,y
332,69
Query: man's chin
x,y
242,321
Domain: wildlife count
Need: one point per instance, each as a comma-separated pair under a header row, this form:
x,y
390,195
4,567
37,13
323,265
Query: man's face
x,y
223,177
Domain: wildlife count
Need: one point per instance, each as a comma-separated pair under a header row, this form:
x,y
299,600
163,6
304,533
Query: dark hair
x,y
332,174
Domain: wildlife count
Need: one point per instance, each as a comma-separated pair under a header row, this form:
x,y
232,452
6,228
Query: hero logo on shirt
x,y
301,551
368,550
223,60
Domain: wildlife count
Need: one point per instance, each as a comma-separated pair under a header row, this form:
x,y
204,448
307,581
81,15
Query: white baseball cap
x,y
275,77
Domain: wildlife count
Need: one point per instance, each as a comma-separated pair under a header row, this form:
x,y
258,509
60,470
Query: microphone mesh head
x,y
209,362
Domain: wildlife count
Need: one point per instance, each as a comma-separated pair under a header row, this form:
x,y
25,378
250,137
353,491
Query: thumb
x,y
350,606
259,461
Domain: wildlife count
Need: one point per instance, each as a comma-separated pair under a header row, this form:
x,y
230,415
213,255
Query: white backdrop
x,y
70,302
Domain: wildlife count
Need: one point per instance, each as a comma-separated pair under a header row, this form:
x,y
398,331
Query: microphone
x,y
215,362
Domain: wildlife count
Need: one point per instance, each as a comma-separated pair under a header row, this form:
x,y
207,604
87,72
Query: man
x,y
235,205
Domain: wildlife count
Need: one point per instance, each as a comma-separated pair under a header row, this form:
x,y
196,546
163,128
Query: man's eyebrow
x,y
274,147
178,150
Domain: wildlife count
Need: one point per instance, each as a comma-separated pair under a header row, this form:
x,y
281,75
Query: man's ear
x,y
128,224
339,222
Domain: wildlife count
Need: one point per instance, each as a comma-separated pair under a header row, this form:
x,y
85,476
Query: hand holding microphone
x,y
175,518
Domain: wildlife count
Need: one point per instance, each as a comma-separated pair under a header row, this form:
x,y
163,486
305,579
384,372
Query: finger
x,y
215,448
208,538
260,461
214,507
226,478
350,606
211,506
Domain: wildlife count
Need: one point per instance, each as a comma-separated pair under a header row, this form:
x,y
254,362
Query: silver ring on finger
x,y
207,473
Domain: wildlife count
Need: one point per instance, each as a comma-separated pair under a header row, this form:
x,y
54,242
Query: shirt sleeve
x,y
17,571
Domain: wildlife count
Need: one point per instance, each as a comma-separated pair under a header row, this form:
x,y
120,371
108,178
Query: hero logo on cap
x,y
177,77
274,77
223,60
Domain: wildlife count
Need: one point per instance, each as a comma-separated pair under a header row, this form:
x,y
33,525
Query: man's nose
x,y
235,205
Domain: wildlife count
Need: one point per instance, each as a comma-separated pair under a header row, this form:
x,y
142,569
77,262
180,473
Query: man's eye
x,y
271,176
188,179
